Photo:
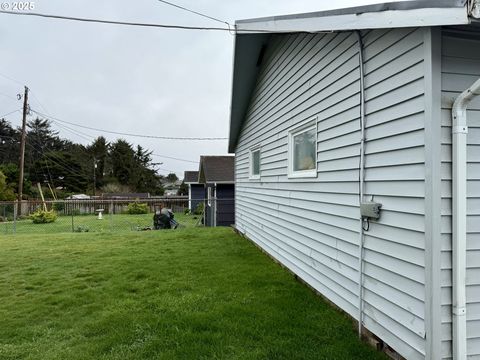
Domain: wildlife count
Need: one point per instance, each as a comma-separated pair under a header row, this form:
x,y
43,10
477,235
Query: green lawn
x,y
115,223
198,293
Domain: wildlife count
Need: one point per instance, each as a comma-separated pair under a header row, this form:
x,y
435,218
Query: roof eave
x,y
254,33
420,17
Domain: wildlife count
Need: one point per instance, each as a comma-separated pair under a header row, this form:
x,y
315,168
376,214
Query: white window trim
x,y
250,166
209,196
307,125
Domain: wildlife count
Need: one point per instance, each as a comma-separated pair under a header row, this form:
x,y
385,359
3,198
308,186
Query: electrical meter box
x,y
370,209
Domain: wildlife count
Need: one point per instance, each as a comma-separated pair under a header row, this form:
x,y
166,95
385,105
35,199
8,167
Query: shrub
x,y
137,208
43,217
82,229
59,206
187,211
199,209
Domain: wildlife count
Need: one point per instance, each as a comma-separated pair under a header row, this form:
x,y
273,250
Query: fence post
x,y
73,224
204,213
111,216
5,219
15,210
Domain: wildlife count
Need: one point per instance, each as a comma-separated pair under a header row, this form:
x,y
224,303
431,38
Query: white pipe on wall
x,y
361,181
459,218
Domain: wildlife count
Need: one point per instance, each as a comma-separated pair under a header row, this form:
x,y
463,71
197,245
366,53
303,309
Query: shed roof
x,y
126,195
216,169
190,177
253,35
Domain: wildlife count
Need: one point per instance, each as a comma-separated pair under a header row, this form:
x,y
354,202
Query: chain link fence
x,y
106,215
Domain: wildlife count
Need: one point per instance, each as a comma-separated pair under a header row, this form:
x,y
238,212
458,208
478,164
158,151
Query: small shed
x,y
337,111
196,191
216,174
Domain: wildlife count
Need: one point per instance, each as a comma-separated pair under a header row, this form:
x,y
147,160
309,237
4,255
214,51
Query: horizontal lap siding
x,y
460,69
394,80
312,226
197,195
225,204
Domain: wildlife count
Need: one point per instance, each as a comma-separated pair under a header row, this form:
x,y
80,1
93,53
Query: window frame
x,y
254,149
308,125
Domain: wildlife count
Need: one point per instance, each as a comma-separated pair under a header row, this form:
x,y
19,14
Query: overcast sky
x,y
135,80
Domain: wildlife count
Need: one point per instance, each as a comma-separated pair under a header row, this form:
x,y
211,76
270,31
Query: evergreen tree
x,y
6,193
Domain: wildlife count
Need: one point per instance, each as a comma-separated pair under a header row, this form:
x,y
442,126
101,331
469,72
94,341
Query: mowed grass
x,y
113,223
199,293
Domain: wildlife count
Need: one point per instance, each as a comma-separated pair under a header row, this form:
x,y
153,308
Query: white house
x,y
335,109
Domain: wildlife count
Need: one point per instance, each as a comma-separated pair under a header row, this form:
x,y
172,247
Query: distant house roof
x,y
172,185
253,35
190,177
216,169
78,197
126,195
170,192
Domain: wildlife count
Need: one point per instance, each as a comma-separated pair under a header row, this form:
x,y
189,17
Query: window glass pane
x,y
256,162
304,151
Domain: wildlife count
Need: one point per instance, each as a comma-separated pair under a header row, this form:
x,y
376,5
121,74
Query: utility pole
x,y
22,145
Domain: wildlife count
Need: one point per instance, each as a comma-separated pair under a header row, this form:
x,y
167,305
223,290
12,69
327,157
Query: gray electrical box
x,y
370,209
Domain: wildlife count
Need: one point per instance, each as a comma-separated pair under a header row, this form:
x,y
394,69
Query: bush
x,y
137,208
43,217
59,206
82,229
187,211
199,209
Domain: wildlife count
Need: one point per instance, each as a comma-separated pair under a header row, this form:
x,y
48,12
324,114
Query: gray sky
x,y
135,80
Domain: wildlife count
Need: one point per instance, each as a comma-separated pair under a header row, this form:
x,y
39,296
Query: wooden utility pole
x,y
22,145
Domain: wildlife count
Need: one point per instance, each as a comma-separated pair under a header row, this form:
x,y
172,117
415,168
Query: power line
x,y
50,155
75,132
174,158
154,25
19,82
54,158
9,97
38,101
90,137
10,78
133,135
10,113
195,12
113,22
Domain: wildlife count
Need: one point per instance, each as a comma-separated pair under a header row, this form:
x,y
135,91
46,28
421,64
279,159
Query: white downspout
x,y
215,205
459,218
190,197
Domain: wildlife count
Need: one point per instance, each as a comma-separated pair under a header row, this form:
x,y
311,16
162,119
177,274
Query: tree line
x,y
63,167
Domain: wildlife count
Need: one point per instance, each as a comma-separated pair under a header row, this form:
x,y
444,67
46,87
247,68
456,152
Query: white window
x,y
209,196
302,150
255,163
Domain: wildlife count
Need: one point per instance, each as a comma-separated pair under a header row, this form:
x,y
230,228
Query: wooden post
x,y
41,195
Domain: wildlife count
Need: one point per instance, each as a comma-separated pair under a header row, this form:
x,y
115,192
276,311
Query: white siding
x,y
312,225
460,69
